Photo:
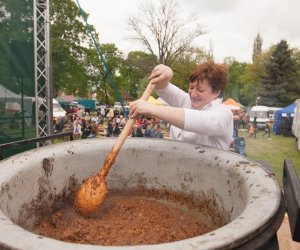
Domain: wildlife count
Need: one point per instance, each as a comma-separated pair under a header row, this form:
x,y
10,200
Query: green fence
x,y
17,89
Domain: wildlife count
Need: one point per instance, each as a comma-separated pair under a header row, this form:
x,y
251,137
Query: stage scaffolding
x,y
43,90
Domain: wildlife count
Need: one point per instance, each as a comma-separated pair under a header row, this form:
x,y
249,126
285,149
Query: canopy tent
x,y
282,117
159,99
66,98
232,104
152,100
231,101
232,107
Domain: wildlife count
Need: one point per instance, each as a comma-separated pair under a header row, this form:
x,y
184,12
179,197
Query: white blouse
x,y
211,126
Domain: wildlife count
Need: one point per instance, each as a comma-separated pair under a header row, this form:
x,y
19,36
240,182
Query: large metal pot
x,y
243,191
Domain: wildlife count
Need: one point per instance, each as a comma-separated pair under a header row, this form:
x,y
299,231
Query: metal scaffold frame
x,y
43,95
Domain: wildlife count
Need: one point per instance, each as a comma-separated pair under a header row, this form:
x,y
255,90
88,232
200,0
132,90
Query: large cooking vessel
x,y
241,192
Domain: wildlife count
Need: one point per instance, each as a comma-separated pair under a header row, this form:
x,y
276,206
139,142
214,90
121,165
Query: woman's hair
x,y
215,74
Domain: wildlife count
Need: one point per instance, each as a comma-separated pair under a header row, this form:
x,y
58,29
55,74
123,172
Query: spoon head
x,y
90,195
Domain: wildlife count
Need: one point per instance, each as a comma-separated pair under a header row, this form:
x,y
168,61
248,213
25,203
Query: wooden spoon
x,y
92,192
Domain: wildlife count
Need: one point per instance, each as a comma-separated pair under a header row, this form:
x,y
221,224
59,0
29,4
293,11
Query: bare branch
x,y
163,32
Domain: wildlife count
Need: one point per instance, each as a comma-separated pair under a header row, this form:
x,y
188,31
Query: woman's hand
x,y
161,76
140,107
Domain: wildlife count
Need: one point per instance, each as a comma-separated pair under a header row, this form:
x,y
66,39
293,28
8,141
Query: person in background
x,y
255,127
77,129
137,130
69,127
95,118
94,130
86,130
267,130
243,119
75,109
251,130
109,128
122,122
197,117
115,129
287,126
148,131
157,133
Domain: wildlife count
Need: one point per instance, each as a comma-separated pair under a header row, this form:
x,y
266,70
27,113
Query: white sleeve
x,y
208,122
174,96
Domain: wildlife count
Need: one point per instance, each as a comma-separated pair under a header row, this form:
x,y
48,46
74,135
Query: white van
x,y
272,111
262,115
58,111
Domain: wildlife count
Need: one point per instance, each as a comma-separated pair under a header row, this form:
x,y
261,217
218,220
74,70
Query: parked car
x,y
58,111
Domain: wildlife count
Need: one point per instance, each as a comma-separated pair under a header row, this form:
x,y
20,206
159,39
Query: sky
x,y
231,25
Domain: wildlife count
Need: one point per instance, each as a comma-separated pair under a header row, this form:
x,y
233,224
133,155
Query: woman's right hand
x,y
161,76
140,107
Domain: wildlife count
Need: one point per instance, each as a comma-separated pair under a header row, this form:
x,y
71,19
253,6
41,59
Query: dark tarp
x,y
283,119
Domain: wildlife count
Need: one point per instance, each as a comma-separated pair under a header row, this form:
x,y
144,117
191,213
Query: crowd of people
x,y
86,126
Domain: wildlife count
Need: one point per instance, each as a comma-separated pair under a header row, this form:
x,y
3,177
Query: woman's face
x,y
201,93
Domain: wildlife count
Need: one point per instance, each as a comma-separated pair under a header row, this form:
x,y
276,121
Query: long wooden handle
x,y
124,134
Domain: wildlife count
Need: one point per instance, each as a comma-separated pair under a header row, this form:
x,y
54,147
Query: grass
x,y
273,151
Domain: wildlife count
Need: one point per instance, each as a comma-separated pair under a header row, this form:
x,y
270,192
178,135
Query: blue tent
x,y
279,118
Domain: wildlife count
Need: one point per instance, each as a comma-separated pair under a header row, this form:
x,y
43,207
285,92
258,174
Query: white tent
x,y
12,102
6,93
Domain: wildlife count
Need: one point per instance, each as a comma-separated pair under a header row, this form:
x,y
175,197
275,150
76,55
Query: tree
x,y
185,64
257,47
77,67
163,32
107,88
279,84
68,34
251,78
136,68
235,82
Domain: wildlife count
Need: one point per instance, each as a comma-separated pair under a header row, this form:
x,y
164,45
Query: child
x,y
251,130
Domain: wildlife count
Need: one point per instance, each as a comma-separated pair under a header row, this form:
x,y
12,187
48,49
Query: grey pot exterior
x,y
244,192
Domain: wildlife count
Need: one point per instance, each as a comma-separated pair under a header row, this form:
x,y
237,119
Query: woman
x,y
197,117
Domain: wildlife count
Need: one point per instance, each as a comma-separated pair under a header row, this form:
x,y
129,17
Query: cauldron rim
x,y
229,233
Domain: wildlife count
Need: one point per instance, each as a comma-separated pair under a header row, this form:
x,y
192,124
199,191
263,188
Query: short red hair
x,y
215,74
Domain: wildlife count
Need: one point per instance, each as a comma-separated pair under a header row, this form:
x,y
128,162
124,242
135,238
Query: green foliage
x,y
105,84
136,67
235,71
68,33
279,84
185,64
77,66
251,78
